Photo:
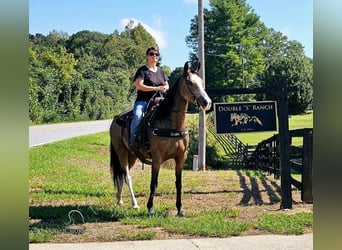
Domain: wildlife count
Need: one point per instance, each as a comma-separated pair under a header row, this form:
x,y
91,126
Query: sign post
x,y
284,144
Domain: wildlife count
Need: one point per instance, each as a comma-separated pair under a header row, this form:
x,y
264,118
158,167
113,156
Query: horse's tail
x,y
118,173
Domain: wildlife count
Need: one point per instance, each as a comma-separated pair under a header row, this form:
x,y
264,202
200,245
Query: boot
x,y
133,143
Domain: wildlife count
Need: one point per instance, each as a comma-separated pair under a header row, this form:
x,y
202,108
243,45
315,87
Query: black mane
x,y
164,108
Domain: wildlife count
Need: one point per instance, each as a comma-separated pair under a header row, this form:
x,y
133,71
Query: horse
x,y
167,136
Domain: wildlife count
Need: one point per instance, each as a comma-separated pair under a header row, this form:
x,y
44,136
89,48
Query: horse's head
x,y
193,90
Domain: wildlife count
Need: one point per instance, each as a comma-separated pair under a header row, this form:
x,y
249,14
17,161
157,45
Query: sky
x,y
167,21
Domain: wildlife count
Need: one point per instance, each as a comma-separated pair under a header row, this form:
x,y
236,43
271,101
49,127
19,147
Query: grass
x,y
211,223
289,224
71,199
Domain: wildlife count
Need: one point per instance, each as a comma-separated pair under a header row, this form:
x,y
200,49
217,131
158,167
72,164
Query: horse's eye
x,y
189,82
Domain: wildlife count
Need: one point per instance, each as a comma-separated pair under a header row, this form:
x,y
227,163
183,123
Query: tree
x,y
51,78
175,75
88,75
233,50
141,39
240,51
287,58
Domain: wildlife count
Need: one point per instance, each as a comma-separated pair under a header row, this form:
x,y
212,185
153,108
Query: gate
x,y
281,91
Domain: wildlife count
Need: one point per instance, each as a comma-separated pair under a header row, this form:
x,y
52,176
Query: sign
x,y
242,117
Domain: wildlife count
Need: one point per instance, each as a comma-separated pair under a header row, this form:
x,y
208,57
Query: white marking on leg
x,y
130,186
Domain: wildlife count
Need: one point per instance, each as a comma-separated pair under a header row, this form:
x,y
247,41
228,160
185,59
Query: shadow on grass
x,y
49,221
70,192
59,218
252,193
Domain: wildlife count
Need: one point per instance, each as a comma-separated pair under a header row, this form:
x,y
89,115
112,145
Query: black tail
x,y
118,173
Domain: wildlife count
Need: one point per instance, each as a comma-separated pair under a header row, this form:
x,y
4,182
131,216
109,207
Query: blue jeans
x,y
139,109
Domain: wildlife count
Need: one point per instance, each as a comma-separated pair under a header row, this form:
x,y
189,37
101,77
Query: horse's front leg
x,y
153,186
178,174
129,183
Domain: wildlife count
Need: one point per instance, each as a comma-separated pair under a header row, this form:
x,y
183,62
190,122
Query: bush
x,y
214,153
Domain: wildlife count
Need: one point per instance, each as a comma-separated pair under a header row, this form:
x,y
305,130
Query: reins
x,y
165,132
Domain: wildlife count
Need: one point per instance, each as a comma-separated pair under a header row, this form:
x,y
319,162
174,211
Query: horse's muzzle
x,y
204,103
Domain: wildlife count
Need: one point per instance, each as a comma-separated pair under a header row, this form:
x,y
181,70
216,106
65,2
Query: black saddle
x,y
125,120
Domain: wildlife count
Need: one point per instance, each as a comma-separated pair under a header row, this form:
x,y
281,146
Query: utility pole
x,y
202,122
243,61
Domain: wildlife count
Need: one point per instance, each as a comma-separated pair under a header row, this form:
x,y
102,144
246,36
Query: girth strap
x,y
164,132
141,157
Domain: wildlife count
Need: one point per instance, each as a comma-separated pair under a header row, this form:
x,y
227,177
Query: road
x,y
42,134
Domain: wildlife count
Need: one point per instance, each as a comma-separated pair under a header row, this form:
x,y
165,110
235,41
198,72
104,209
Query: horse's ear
x,y
198,66
195,66
186,68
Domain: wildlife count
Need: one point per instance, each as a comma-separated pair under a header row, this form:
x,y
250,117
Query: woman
x,y
149,79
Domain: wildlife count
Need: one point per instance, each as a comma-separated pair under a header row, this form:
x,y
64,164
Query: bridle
x,y
188,83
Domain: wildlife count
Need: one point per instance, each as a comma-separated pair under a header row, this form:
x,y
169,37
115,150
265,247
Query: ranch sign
x,y
242,117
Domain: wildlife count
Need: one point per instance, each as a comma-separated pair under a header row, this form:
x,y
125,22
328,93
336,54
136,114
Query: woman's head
x,y
152,55
152,50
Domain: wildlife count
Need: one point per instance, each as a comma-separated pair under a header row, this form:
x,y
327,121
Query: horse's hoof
x,y
136,206
181,214
151,211
120,203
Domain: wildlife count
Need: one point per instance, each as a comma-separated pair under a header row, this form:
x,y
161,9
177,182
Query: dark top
x,y
150,79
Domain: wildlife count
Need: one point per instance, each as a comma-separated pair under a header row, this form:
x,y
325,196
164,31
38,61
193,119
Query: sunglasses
x,y
153,54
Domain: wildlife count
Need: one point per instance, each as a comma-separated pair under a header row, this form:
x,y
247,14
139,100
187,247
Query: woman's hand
x,y
161,88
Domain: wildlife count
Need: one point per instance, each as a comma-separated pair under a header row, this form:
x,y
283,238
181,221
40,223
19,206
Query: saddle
x,y
125,120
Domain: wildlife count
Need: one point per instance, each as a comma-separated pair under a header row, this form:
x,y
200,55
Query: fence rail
x,y
233,147
266,158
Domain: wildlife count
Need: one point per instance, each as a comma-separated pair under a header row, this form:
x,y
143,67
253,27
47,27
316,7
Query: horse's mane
x,y
164,108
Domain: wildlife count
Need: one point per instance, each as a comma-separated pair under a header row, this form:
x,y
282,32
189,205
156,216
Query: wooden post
x,y
284,144
306,194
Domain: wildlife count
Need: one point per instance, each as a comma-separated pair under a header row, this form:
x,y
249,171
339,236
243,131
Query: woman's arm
x,y
139,84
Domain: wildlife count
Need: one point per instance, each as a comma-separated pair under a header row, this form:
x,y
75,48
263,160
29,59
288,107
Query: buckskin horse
x,y
166,134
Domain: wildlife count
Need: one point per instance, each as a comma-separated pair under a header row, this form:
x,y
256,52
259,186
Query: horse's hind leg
x,y
117,174
119,185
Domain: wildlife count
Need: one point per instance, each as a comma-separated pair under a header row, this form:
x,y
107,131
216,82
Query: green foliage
x,y
233,35
289,61
87,76
215,155
240,51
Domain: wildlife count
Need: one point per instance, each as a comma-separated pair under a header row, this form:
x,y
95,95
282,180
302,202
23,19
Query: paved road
x,y
42,134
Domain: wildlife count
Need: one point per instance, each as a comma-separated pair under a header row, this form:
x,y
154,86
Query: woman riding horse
x,y
167,135
148,80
